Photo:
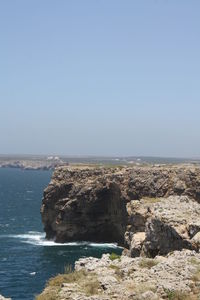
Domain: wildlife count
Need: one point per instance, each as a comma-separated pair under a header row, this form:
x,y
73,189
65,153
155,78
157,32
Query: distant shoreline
x,y
27,168
49,163
46,163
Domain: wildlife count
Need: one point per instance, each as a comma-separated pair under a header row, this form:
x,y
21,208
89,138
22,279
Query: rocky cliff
x,y
154,212
149,210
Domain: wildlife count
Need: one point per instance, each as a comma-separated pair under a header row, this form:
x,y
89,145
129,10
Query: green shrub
x,y
114,256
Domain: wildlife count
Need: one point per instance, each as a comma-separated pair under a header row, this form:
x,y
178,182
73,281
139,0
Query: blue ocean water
x,y
27,260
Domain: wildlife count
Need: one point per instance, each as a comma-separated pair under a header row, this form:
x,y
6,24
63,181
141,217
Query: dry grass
x,y
48,294
118,272
150,200
148,263
113,166
196,276
195,261
170,294
143,287
114,267
92,287
178,295
68,269
87,283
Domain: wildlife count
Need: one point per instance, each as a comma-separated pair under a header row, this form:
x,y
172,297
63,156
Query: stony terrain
x,y
174,277
152,211
161,225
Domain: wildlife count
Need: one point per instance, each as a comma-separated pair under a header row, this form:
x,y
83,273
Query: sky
x,y
100,77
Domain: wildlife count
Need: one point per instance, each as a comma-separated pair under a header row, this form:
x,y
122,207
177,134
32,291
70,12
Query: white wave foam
x,y
32,273
4,259
38,239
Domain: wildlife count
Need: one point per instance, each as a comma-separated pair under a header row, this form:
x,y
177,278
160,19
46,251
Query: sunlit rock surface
x,y
149,210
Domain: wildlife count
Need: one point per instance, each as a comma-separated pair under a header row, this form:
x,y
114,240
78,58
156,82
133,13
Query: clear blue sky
x,y
100,77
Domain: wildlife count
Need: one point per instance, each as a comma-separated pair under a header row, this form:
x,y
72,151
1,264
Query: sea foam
x,y
38,239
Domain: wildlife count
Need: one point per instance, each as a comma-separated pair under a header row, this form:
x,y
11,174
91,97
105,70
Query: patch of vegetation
x,y
48,295
148,263
92,287
170,294
113,267
68,269
113,166
178,295
67,278
118,272
194,261
144,287
196,276
87,283
114,256
151,199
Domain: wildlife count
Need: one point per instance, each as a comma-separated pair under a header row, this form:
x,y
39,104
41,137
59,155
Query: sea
x,y
27,259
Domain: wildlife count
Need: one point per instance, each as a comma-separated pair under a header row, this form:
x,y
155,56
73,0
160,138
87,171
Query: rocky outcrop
x,y
84,205
150,210
154,212
176,276
161,225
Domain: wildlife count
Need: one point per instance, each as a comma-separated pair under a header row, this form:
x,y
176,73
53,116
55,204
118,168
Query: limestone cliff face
x,y
130,206
84,205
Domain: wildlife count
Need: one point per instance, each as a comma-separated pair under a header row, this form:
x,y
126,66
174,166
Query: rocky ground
x,y
152,211
160,225
176,276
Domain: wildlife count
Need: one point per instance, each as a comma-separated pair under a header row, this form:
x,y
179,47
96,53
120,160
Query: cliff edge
x,y
149,210
152,211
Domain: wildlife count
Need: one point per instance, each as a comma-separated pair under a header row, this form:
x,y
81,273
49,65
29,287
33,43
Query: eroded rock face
x,y
169,224
82,205
150,210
